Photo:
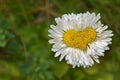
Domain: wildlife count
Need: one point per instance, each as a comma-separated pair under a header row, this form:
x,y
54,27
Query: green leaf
x,y
60,69
92,70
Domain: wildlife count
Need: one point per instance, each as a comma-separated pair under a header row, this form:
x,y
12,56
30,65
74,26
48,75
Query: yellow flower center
x,y
79,39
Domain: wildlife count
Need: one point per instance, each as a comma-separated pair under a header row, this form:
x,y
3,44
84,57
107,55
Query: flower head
x,y
80,38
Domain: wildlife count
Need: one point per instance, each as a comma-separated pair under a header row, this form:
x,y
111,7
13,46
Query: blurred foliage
x,y
24,50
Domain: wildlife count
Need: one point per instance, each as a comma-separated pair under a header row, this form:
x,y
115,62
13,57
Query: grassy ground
x,y
24,50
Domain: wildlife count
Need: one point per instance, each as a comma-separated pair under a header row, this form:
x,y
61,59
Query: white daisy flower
x,y
80,38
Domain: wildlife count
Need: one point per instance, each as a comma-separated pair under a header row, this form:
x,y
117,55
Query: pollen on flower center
x,y
79,39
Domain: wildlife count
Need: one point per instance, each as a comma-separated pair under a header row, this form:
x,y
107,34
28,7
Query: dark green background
x,y
24,50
